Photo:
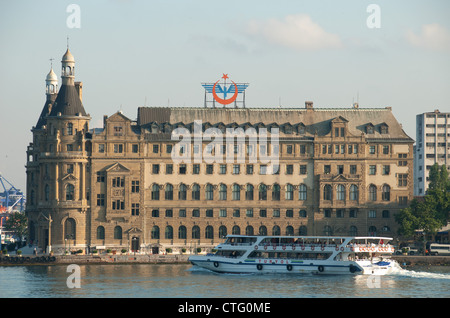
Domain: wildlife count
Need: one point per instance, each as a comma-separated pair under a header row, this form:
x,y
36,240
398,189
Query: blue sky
x,y
129,53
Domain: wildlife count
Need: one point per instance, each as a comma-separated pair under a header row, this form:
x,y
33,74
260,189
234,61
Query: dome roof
x,y
68,57
51,76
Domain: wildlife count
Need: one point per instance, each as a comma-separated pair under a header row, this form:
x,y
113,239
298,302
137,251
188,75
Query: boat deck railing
x,y
356,246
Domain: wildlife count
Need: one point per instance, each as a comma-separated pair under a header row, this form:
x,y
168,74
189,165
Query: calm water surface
x,y
180,281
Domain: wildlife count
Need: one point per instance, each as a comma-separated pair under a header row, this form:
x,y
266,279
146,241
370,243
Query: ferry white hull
x,y
224,265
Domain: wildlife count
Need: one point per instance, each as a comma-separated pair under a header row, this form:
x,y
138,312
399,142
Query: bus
x,y
439,249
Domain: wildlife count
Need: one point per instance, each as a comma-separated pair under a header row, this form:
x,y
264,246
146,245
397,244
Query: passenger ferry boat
x,y
300,254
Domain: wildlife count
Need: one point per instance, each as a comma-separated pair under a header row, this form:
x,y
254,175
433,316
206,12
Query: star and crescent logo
x,y
221,91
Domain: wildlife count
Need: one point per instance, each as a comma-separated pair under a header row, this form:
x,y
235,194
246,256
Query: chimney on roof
x,y
79,88
308,105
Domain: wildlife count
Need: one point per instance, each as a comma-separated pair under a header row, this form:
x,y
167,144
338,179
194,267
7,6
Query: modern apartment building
x,y
432,146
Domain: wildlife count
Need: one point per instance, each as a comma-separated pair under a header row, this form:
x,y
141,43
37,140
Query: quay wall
x,y
94,259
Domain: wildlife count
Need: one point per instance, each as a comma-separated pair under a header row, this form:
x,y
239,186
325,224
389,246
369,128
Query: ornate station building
x,y
339,171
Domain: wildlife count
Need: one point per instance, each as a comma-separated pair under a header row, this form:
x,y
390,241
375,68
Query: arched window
x,y
195,192
340,193
276,192
262,192
195,232
70,229
155,232
327,192
155,192
169,192
100,233
303,230
249,192
386,194
168,233
289,192
118,233
354,193
222,191
327,231
70,191
372,192
353,231
236,230
249,230
262,230
372,231
276,230
182,232
289,230
302,192
222,231
236,192
209,232
209,192
182,192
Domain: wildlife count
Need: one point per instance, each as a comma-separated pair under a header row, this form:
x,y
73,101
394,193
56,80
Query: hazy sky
x,y
131,53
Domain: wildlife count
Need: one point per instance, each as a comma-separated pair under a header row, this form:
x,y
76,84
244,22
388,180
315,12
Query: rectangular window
x,y
135,209
118,131
289,149
276,213
155,213
303,169
263,213
352,169
134,148
182,213
263,169
118,182
327,213
236,213
100,176
289,169
339,213
385,149
169,168
70,168
372,214
209,169
135,186
236,169
196,213
155,169
223,213
209,213
100,200
289,213
352,213
386,169
101,148
402,179
372,169
302,149
327,169
372,150
223,169
155,148
168,148
118,148
182,169
196,169
249,213
249,169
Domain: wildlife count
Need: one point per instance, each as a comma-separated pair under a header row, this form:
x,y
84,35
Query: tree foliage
x,y
432,212
17,223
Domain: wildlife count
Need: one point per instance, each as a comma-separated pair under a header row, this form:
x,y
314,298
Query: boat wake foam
x,y
398,270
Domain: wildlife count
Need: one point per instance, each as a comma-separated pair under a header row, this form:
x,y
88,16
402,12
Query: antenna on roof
x,y
51,62
67,42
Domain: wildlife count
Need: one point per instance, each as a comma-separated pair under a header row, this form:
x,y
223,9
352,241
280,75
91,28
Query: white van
x,y
439,249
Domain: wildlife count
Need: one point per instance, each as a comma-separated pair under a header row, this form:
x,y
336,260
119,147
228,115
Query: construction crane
x,y
11,196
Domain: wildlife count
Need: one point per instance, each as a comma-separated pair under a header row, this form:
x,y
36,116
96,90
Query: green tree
x,y
431,212
17,223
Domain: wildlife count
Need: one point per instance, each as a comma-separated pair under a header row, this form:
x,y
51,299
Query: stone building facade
x,y
338,171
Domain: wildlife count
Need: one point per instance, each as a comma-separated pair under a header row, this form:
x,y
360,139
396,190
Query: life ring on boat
x,y
312,248
216,264
265,247
337,248
303,247
289,267
284,247
322,248
293,247
259,267
274,247
320,268
256,247
342,248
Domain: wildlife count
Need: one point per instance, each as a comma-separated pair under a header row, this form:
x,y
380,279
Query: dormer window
x,y
384,129
370,129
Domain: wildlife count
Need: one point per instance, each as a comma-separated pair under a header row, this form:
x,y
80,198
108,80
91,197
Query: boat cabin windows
x,y
232,254
289,255
240,240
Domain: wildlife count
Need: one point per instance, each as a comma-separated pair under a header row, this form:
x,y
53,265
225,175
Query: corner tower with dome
x,y
57,162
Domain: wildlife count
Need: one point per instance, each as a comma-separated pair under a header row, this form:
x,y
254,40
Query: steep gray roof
x,y
68,102
46,111
316,120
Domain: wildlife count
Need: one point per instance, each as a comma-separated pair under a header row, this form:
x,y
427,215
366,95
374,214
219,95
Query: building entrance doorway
x,y
135,244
